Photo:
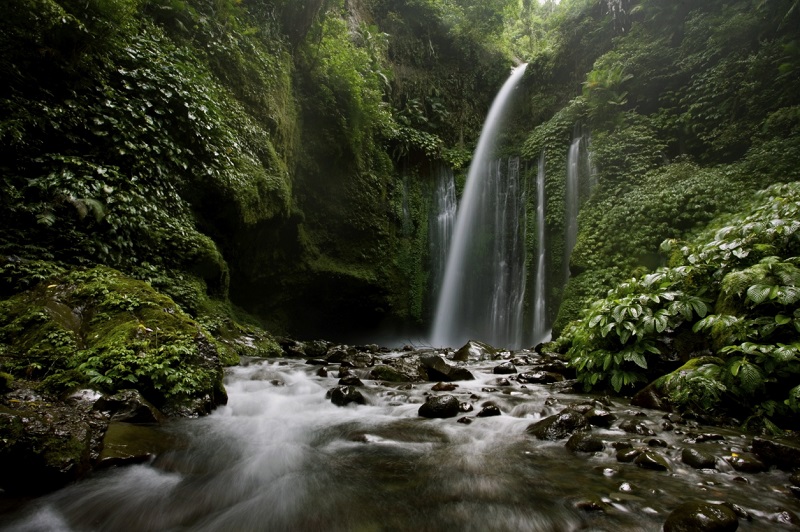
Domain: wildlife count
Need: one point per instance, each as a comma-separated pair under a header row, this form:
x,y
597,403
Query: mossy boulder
x,y
99,328
43,447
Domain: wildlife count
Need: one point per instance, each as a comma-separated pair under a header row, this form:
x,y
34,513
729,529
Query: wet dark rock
x,y
338,353
652,460
439,370
474,351
622,444
745,463
489,411
488,390
504,368
592,505
344,372
128,406
782,453
708,437
559,367
396,373
521,360
322,372
126,443
740,512
440,406
43,451
502,382
466,407
316,362
632,427
558,426
442,387
584,442
785,517
464,420
599,417
344,395
277,382
317,348
699,515
698,459
628,455
656,442
293,348
539,377
350,380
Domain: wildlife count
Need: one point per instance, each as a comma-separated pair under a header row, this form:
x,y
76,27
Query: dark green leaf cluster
x,y
746,268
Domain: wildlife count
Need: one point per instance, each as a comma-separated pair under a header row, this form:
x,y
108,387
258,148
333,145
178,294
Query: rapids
x,y
280,456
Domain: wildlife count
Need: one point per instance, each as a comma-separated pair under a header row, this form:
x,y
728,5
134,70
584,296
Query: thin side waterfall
x,y
440,229
477,299
539,307
572,201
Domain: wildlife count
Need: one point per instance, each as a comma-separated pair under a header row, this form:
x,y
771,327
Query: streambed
x,y
281,456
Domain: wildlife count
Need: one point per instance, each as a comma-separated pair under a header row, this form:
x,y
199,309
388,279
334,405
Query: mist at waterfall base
x,y
483,291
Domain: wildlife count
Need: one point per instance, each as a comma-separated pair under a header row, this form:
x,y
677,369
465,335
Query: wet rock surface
x,y
440,406
697,516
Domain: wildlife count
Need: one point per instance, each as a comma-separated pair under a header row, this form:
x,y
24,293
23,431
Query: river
x,y
281,457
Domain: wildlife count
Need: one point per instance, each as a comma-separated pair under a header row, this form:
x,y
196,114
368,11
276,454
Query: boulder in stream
x,y
474,351
698,459
558,426
584,442
344,395
782,453
126,443
504,368
439,370
700,515
440,406
128,406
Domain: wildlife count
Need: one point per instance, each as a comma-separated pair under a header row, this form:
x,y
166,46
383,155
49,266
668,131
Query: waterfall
x,y
442,222
481,296
572,200
540,296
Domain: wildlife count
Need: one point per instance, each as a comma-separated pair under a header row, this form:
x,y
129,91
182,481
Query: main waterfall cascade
x,y
490,290
482,296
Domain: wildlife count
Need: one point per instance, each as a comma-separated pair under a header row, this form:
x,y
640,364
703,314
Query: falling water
x,y
443,219
469,306
539,308
572,200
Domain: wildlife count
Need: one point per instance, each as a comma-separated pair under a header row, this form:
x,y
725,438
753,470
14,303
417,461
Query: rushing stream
x,y
280,456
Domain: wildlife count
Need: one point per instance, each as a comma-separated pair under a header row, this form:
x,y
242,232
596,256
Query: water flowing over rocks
x,y
516,454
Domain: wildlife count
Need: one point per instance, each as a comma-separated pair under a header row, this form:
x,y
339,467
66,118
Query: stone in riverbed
x,y
628,454
599,417
350,380
699,515
440,406
784,454
344,395
128,406
439,370
489,411
539,377
558,426
632,427
474,351
442,387
698,459
583,442
652,460
745,463
125,443
504,368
